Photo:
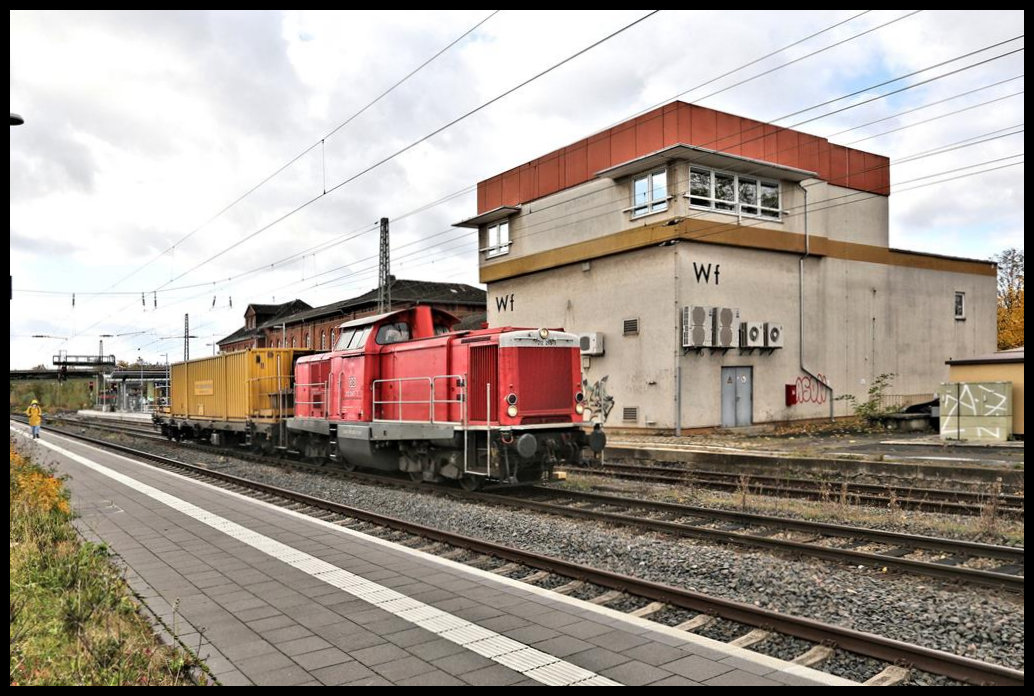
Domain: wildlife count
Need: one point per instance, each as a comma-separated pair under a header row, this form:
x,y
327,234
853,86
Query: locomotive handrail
x,y
320,389
431,402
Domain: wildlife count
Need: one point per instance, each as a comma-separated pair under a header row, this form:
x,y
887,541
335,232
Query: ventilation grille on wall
x,y
630,413
630,327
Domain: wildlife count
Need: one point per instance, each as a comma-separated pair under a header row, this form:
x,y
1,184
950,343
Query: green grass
x,y
73,619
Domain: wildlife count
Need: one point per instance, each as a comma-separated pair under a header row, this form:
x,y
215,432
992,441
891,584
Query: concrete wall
x,y
861,320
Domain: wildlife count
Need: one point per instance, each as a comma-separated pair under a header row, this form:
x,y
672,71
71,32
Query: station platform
x,y
265,595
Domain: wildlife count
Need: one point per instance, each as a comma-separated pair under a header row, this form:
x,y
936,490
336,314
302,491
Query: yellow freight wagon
x,y
245,393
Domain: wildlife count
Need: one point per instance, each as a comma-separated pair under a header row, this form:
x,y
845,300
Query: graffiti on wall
x,y
973,401
597,399
811,390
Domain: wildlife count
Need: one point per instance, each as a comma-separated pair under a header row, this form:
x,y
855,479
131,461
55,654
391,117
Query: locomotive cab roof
x,y
422,319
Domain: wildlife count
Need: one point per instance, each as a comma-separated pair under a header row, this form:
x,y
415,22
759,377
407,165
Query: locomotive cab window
x,y
344,338
359,338
393,333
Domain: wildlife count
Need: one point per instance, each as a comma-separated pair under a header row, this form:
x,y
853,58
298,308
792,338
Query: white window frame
x,y
498,237
651,205
735,206
960,307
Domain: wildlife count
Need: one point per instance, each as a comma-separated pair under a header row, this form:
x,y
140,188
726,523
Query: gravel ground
x,y
1006,531
783,647
977,623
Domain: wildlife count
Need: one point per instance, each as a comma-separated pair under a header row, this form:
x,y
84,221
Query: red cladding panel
x,y
727,138
771,142
599,153
511,190
786,148
528,182
809,149
837,165
622,143
752,134
705,126
494,193
549,175
649,133
671,124
823,168
576,164
685,123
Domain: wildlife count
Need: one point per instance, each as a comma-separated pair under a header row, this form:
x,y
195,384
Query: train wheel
x,y
471,483
416,476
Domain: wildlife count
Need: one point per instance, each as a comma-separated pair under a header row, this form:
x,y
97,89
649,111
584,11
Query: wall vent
x,y
630,327
630,413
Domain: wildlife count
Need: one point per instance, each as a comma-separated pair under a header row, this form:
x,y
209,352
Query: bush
x,y
872,408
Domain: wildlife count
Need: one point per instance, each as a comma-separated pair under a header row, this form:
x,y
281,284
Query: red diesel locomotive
x,y
403,392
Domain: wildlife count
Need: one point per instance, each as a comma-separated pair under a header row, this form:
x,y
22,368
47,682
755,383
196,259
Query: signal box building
x,y
724,272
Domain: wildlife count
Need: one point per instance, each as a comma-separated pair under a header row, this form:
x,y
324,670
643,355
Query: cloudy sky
x,y
135,180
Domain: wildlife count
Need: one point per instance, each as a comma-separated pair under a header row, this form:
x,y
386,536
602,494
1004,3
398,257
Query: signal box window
x,y
393,333
960,305
498,239
650,193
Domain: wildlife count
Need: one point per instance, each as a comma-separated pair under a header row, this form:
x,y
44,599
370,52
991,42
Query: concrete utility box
x,y
976,411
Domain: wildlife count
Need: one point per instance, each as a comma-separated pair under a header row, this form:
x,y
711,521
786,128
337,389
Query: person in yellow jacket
x,y
35,414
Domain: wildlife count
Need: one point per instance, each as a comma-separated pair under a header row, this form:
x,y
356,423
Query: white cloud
x,y
142,125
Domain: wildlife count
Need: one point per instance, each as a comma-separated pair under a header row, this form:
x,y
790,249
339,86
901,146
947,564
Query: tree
x,y
1010,298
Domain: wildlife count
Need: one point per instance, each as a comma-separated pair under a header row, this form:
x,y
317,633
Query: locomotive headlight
x,y
579,409
511,411
511,398
579,397
543,334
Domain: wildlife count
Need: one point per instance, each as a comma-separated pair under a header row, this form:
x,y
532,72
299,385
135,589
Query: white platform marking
x,y
820,678
517,656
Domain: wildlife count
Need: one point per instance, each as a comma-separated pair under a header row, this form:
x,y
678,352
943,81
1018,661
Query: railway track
x,y
948,559
1000,566
905,497
652,598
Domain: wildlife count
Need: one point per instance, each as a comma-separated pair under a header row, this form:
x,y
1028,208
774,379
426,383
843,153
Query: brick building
x,y
295,324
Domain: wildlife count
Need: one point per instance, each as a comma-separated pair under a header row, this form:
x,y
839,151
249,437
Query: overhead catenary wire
x,y
310,148
751,139
459,193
